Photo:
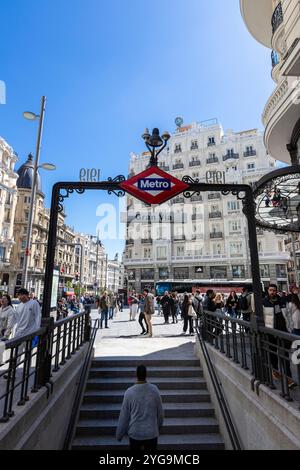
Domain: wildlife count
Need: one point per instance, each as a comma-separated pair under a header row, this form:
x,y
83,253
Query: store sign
x,y
199,269
153,186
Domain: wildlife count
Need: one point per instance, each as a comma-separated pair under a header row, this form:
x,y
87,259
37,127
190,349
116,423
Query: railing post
x,y
44,353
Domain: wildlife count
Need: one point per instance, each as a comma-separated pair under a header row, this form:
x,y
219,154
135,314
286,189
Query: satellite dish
x,y
179,121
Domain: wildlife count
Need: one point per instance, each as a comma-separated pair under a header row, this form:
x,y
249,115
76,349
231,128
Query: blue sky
x,y
110,69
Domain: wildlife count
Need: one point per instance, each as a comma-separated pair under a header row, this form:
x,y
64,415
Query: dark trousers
x,y
141,318
166,315
140,446
188,320
274,358
104,317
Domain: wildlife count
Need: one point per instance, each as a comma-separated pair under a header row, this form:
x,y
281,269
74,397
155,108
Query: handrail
x,y
233,435
80,389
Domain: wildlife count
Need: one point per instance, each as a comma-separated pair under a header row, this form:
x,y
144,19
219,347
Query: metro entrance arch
x,y
154,186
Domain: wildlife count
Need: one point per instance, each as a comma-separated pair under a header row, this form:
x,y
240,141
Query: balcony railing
x,y
165,167
211,144
195,163
250,153
212,160
179,237
215,215
230,155
277,17
194,147
216,235
146,240
196,199
214,196
274,58
197,216
178,200
130,241
178,166
177,150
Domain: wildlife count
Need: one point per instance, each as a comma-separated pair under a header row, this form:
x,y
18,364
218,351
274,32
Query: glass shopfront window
x,y
181,273
147,273
238,271
218,272
163,273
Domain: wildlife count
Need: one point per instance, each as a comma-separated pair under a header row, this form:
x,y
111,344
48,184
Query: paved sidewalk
x,y
122,339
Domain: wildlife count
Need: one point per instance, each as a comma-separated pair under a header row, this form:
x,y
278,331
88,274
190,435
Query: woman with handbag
x,y
188,313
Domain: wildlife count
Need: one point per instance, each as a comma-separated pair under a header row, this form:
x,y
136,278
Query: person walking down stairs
x,y
141,414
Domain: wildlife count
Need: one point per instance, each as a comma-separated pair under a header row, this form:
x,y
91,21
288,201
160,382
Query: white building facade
x,y
204,237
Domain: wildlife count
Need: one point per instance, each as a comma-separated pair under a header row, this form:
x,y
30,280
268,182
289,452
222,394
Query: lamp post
x,y
47,166
155,141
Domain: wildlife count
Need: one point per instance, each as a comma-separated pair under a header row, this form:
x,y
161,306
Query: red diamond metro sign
x,y
153,186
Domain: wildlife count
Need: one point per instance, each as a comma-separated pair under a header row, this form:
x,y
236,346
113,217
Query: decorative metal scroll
x,y
118,179
62,197
189,180
278,200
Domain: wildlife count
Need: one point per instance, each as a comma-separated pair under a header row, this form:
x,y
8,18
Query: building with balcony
x,y
8,203
276,25
208,230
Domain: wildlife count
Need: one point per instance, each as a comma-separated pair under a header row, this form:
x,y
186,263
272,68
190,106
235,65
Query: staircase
x,y
189,416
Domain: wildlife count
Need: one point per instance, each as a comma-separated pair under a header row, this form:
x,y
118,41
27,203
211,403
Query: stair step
x,y
157,371
165,442
124,362
170,426
171,410
168,396
161,382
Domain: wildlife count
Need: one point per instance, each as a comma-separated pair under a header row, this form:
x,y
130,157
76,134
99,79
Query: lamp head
x,y
155,139
146,136
30,116
48,166
165,136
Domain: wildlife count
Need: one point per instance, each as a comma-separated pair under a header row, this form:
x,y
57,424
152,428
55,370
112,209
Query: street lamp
x,y
155,141
46,166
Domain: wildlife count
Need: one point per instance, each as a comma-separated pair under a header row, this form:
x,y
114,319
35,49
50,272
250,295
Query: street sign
x,y
154,186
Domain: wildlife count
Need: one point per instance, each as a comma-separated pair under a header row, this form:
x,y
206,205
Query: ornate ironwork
x,y
189,180
117,179
277,17
62,197
277,198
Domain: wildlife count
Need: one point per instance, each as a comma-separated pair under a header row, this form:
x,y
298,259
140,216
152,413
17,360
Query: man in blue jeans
x,y
103,309
141,415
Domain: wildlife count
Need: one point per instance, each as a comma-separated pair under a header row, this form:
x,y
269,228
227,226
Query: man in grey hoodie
x,y
141,415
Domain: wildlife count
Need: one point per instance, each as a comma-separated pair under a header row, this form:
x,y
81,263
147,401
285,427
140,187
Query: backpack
x,y
243,302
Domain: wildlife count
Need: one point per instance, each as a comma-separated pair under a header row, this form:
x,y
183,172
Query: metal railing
x,y
33,359
81,388
265,352
277,17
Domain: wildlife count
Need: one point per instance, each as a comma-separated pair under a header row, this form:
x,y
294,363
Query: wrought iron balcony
x,y
130,241
146,240
212,160
277,17
215,215
214,196
195,163
196,199
194,147
179,237
197,216
211,144
250,153
216,235
275,58
230,155
178,200
177,150
178,166
165,167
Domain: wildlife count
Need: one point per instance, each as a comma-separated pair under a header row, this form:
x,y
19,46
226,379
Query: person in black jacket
x,y
272,300
166,306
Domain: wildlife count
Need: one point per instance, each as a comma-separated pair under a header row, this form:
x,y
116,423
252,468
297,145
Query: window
x,y
147,273
181,273
211,141
131,274
8,198
280,246
233,205
177,148
147,252
161,252
26,215
280,270
264,270
218,272
260,247
217,248
163,273
234,226
180,250
251,166
194,145
238,271
235,248
195,175
2,253
27,199
23,245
